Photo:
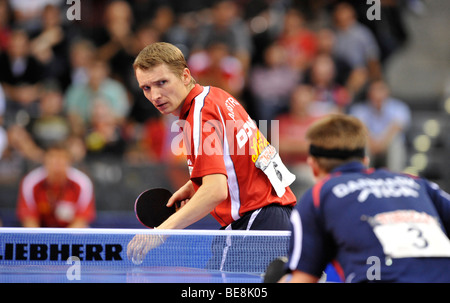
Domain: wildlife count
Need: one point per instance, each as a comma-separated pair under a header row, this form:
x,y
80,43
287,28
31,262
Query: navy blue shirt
x,y
373,225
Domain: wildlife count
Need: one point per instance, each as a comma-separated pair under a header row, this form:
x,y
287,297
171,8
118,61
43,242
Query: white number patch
x,y
407,234
279,176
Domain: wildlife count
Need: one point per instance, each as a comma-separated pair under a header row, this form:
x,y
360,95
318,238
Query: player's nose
x,y
155,95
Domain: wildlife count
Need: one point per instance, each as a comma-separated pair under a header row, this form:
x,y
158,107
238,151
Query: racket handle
x,y
276,270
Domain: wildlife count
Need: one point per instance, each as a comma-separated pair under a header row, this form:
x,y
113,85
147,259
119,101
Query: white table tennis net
x,y
35,249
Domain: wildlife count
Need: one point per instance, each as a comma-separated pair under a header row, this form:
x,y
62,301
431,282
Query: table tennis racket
x,y
276,270
150,207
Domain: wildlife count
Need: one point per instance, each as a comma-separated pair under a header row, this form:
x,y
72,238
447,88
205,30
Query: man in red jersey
x,y
56,194
235,174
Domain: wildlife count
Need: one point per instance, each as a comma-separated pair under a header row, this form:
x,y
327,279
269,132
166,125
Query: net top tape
x,y
127,231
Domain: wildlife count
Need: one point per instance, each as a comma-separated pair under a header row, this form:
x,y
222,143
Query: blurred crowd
x,y
286,60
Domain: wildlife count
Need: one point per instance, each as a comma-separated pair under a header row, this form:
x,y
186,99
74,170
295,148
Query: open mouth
x,y
162,105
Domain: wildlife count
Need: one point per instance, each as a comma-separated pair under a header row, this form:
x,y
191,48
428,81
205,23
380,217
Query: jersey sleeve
x,y
86,209
85,202
88,214
310,248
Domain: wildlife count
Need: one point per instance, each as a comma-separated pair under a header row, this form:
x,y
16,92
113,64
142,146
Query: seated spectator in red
x,y
216,66
56,194
298,40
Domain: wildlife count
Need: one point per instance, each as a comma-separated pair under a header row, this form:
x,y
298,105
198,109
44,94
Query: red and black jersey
x,y
221,138
56,206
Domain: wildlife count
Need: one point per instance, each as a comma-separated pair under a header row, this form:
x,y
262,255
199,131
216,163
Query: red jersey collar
x,y
197,90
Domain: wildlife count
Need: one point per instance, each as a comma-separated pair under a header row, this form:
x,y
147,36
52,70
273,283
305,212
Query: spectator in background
x,y
228,27
81,55
299,42
272,82
2,103
104,137
49,44
115,42
20,76
323,79
171,31
387,120
12,163
21,141
5,24
51,125
145,34
390,31
356,44
303,111
140,109
17,145
144,10
56,194
265,21
3,141
27,13
216,66
3,134
325,44
79,98
352,78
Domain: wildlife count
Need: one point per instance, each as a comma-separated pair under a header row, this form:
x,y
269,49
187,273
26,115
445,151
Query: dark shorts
x,y
270,217
252,254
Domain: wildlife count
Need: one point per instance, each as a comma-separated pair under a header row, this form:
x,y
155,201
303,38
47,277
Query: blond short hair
x,y
337,132
159,53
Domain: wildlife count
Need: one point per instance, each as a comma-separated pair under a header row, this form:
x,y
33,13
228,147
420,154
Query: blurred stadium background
x,y
417,71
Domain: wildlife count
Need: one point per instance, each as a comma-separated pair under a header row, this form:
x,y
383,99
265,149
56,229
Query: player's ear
x,y
312,162
186,77
366,161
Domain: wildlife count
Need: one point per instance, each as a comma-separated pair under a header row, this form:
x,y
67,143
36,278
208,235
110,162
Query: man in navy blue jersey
x,y
372,225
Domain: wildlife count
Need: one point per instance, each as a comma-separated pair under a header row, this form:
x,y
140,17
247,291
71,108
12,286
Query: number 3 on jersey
x,y
408,239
